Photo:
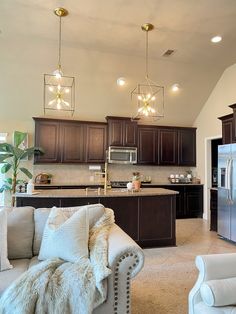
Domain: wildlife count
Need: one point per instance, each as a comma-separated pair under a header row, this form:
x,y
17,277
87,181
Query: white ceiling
x,y
113,26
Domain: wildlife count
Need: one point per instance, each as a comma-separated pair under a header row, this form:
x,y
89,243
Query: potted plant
x,y
11,157
136,181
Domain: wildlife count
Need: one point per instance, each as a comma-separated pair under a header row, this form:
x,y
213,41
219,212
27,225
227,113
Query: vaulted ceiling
x,y
113,27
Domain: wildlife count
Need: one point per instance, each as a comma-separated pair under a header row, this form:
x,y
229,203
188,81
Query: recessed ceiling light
x,y
216,39
175,87
121,81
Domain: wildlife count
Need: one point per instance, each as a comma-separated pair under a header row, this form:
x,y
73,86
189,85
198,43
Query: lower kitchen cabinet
x,y
149,220
157,221
213,208
126,213
189,201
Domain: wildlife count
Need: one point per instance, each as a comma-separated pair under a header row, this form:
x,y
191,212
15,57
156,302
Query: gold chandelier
x,y
148,96
59,90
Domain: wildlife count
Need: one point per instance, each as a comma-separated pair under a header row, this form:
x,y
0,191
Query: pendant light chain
x,y
59,48
147,54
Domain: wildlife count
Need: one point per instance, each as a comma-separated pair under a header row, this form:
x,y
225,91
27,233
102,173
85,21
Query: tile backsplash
x,y
80,174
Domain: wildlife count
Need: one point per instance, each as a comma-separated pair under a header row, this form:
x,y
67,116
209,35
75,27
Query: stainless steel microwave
x,y
122,155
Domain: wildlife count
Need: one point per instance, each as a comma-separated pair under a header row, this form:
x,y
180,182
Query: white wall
x,y
207,123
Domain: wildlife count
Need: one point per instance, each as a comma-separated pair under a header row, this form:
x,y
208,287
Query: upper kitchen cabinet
x,y
227,129
187,147
96,142
47,136
168,154
70,141
122,131
166,146
147,145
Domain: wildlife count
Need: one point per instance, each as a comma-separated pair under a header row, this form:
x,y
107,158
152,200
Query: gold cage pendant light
x,y
59,90
148,96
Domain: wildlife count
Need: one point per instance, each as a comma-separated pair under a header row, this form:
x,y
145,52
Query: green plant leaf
x,y
19,137
8,180
5,187
6,166
18,153
6,148
27,172
4,156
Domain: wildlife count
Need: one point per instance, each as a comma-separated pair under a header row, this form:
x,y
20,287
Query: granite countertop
x,y
101,184
95,193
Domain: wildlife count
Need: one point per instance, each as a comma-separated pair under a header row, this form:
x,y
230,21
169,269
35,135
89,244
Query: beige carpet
x,y
163,285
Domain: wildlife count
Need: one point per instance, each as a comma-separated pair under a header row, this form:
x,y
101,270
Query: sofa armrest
x,y
125,259
214,266
123,249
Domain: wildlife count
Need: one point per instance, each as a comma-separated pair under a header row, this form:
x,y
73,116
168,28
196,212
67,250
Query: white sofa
x,y
212,267
125,257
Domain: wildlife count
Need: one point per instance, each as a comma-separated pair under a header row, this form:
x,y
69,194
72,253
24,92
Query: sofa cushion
x,y
8,276
219,292
20,233
95,211
4,262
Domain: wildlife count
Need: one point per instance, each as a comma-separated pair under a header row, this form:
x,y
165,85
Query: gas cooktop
x,y
119,184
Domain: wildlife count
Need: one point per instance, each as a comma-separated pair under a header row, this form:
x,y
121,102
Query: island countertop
x,y
77,193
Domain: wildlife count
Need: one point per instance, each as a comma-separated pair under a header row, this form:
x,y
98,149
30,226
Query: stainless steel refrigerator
x,y
227,191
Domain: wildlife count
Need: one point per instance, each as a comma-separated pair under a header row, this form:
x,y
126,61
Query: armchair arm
x,y
214,266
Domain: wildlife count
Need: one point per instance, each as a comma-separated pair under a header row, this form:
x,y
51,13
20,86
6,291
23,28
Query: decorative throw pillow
x,y
219,292
4,262
65,236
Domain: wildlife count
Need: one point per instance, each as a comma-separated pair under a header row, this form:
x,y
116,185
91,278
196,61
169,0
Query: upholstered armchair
x,y
215,289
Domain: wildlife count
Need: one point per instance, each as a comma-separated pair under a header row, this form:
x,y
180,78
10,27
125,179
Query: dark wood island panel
x,y
149,219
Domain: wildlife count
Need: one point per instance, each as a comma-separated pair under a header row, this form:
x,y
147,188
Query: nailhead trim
x,y
127,281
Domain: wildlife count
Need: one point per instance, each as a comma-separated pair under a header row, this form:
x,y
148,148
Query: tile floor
x,y
163,285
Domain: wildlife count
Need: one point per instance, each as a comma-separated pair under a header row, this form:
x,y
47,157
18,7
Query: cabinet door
x,y
72,139
96,143
157,221
126,213
180,199
194,201
227,131
130,131
213,207
187,147
47,137
115,132
147,145
168,147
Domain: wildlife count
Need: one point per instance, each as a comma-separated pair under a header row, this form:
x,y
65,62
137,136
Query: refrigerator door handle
x,y
227,175
230,180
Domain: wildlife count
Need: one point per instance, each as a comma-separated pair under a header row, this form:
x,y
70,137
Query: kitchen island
x,y
148,216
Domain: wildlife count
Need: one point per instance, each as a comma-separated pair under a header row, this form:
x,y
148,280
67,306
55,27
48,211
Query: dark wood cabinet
x,y
213,208
187,147
147,145
227,129
47,136
96,143
149,220
194,201
168,147
189,201
157,221
122,132
70,141
126,213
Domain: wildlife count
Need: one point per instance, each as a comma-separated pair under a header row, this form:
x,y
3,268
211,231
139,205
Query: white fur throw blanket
x,y
59,287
